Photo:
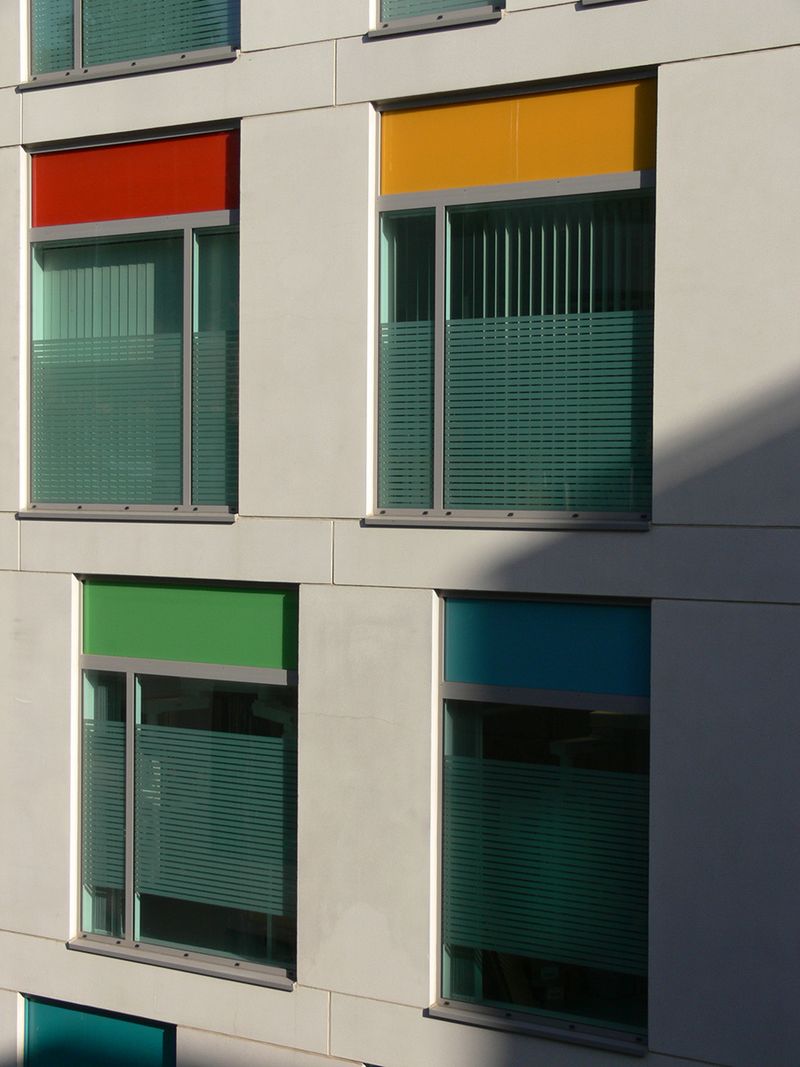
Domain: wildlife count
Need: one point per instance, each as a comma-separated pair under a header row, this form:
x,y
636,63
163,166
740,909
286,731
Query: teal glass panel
x,y
117,30
548,355
406,355
65,1035
589,648
52,36
215,369
545,863
106,403
103,804
216,817
406,9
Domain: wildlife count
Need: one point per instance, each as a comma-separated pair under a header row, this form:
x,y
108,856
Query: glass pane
x,y
405,375
52,36
107,372
115,30
65,1035
404,9
548,354
545,862
216,817
215,369
103,807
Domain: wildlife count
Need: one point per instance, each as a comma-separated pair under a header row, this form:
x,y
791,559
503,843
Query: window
x,y
516,309
134,349
189,795
115,36
545,819
70,1036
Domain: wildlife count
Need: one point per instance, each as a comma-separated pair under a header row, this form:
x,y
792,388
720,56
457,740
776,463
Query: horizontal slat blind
x,y
115,30
546,862
216,818
107,372
404,9
406,360
52,36
215,370
548,378
103,834
549,412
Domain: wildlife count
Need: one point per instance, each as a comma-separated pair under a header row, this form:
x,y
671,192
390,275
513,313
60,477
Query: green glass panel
x,y
245,627
215,370
52,36
103,803
405,375
548,355
405,9
545,863
106,404
216,817
117,30
65,1035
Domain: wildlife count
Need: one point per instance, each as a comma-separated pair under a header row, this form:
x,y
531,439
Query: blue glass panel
x,y
61,1035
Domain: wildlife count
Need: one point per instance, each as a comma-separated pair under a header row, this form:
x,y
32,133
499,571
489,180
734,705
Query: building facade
x,y
399,526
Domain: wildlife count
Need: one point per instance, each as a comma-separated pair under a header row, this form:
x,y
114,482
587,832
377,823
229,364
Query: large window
x,y
69,38
135,308
516,309
189,756
545,819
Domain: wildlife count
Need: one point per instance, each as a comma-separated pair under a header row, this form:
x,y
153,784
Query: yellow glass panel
x,y
601,129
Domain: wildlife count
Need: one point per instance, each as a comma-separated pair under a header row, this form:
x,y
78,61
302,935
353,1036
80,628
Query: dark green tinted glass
x,y
52,36
546,861
404,9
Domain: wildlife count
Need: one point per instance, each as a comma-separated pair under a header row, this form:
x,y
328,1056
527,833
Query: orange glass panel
x,y
168,177
601,129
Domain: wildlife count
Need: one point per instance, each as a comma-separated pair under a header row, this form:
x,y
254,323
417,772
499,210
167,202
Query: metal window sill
x,y
444,20
124,68
174,959
517,1023
509,521
93,514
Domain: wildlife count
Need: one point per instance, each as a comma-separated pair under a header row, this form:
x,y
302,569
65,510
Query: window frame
x,y
127,947
187,226
441,200
448,1009
490,11
79,72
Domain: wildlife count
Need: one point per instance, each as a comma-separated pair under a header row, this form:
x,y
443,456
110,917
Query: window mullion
x,y
188,332
77,33
130,799
440,281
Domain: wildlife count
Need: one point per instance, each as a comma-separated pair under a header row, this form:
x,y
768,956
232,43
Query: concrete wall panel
x,y
304,302
35,656
274,24
724,816
364,883
9,1027
9,541
197,1048
13,176
727,390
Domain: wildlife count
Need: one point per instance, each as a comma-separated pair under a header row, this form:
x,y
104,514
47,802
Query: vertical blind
x,y
107,372
404,9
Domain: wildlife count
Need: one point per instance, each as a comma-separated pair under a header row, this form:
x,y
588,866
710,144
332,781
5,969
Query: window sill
x,y
521,520
210,966
436,22
518,1023
131,66
89,513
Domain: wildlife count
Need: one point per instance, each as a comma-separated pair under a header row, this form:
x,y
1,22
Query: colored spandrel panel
x,y
52,36
106,390
118,30
245,627
66,1035
215,370
591,648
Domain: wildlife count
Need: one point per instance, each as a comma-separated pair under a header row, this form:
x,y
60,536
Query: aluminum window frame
x,y
440,200
127,947
78,72
451,1010
187,226
489,12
